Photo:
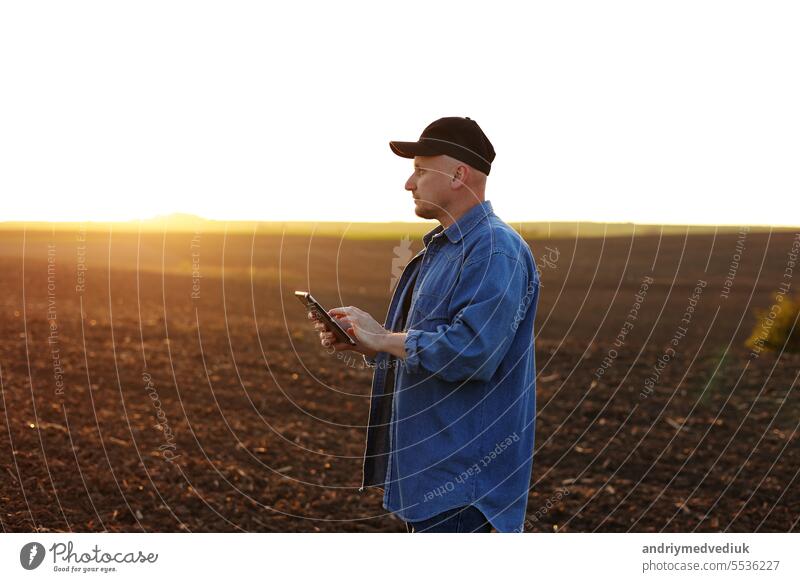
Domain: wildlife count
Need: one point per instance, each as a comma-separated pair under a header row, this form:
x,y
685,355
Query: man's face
x,y
430,185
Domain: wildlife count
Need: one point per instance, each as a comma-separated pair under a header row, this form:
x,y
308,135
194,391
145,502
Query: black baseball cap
x,y
458,137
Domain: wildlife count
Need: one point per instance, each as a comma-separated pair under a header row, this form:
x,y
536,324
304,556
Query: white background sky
x,y
657,112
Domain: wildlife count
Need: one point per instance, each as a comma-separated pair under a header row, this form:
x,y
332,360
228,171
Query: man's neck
x,y
452,216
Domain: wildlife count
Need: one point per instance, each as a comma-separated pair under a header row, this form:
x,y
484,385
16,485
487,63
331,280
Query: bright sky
x,y
655,112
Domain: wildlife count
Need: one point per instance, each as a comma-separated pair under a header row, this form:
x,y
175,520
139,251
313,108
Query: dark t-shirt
x,y
384,408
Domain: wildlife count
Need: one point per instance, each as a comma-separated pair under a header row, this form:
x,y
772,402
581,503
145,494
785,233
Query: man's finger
x,y
340,311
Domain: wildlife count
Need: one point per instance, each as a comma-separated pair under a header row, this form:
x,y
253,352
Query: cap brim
x,y
409,149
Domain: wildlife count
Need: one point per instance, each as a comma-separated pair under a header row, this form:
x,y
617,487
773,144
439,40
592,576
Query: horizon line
x,y
188,218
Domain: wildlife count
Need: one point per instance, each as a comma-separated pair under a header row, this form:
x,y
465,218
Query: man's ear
x,y
458,178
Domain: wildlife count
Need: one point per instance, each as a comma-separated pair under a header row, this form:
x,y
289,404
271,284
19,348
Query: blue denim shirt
x,y
463,407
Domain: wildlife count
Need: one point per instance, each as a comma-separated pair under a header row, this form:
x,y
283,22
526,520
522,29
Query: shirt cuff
x,y
412,356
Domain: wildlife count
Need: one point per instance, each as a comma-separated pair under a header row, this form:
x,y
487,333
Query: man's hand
x,y
369,333
328,339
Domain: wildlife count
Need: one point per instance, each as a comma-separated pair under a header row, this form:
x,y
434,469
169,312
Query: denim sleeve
x,y
490,300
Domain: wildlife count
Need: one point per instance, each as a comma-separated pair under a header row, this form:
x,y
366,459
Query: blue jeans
x,y
467,519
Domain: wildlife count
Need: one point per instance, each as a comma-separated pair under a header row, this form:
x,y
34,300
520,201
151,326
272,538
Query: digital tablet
x,y
312,305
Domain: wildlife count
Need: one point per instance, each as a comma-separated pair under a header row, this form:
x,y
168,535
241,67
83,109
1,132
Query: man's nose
x,y
410,185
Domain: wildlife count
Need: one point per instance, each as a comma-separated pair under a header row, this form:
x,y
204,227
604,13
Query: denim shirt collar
x,y
469,220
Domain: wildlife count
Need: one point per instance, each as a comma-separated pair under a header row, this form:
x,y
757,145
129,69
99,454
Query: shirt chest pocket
x,y
441,273
428,311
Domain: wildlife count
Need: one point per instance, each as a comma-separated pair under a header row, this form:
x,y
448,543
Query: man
x,y
452,414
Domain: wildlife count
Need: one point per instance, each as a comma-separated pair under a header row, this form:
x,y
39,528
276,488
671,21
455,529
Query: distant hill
x,y
375,230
